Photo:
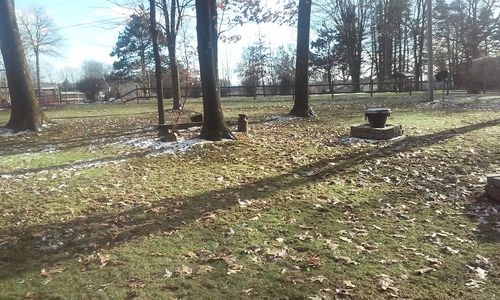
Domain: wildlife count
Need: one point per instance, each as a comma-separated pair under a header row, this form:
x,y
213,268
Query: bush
x,y
225,87
91,87
250,86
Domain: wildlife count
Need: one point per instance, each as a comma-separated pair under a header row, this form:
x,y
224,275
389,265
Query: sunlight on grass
x,y
285,212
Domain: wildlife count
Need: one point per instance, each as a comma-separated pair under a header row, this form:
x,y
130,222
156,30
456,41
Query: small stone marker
x,y
493,187
242,123
165,135
493,179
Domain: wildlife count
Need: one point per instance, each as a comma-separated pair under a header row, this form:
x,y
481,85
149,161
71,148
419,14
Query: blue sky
x,y
90,29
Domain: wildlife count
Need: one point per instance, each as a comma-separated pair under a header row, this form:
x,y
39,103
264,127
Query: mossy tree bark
x,y
301,106
25,113
214,127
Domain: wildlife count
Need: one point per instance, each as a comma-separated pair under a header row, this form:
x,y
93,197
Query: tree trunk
x,y
171,33
26,113
214,127
174,70
156,51
330,81
430,54
301,106
38,81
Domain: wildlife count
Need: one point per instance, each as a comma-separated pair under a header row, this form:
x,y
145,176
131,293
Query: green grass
x,y
270,216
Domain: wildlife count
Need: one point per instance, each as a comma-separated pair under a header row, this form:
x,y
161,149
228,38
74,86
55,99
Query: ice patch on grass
x,y
5,132
159,148
350,140
278,119
48,149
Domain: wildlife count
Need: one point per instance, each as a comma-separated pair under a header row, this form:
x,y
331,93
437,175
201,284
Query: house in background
x,y
4,90
52,94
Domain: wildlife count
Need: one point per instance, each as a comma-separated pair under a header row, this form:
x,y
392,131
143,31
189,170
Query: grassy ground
x,y
286,212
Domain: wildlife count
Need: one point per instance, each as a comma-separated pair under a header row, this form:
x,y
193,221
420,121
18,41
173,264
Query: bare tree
x,y
25,113
174,12
40,35
301,106
430,54
157,58
214,127
350,18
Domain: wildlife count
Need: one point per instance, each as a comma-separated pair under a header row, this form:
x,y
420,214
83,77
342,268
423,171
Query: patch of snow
x,y
349,140
5,132
278,119
159,147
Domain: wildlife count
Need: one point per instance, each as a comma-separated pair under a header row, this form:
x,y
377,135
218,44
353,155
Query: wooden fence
x,y
139,94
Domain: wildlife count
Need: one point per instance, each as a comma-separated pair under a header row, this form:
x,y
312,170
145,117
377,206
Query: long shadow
x,y
103,116
24,248
81,164
487,215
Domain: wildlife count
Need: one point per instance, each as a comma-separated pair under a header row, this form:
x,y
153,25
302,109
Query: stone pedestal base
x,y
367,132
493,187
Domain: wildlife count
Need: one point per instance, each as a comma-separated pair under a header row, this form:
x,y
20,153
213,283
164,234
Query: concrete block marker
x,y
493,179
493,187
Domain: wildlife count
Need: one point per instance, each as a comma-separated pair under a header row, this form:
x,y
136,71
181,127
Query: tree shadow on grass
x,y
486,214
25,248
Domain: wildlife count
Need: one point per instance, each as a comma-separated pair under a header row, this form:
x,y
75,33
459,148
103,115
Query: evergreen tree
x,y
134,50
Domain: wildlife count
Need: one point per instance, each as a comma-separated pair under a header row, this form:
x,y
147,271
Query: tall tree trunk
x,y
38,81
174,70
330,81
301,106
171,20
156,51
214,127
430,54
26,113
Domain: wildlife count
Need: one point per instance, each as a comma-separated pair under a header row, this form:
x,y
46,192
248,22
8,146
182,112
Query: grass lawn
x,y
291,211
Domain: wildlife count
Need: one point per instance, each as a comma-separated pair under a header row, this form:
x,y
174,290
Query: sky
x,y
90,29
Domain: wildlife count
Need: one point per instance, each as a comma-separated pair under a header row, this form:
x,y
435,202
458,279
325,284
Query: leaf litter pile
x,y
289,211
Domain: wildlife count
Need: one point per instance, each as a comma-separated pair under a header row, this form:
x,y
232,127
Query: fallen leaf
x,y
347,240
450,250
30,295
474,284
204,269
167,274
314,262
387,284
135,282
344,260
423,271
247,291
318,279
191,255
184,270
434,261
331,245
55,270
